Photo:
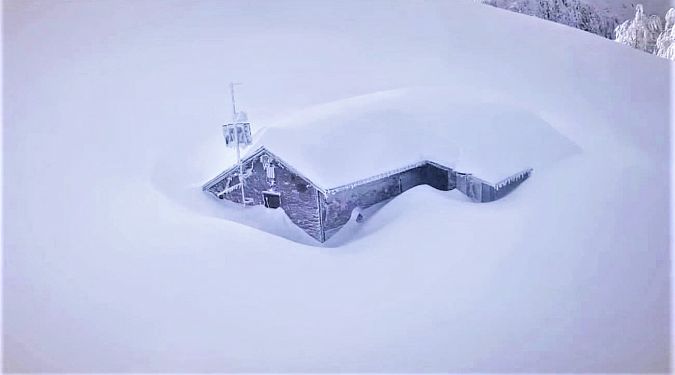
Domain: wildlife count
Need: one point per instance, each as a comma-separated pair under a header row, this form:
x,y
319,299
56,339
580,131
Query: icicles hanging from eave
x,y
513,179
375,178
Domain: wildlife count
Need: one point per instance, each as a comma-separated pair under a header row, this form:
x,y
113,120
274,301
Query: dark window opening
x,y
272,199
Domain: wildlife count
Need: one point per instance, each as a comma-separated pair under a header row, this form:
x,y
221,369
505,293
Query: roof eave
x,y
255,153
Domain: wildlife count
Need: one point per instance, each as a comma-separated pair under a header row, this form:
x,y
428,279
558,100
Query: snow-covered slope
x,y
625,9
600,17
114,260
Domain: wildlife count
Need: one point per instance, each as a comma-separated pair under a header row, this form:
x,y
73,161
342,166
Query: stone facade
x,y
321,213
299,197
340,202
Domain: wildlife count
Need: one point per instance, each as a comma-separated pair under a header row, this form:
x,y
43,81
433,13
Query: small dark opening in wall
x,y
272,199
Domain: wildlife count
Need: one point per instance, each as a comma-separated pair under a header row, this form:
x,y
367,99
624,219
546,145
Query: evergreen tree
x,y
574,13
641,32
664,43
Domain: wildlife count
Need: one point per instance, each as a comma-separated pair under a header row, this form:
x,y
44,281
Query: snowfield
x,y
115,260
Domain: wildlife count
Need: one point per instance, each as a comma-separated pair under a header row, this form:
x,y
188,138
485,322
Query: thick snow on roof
x,y
344,141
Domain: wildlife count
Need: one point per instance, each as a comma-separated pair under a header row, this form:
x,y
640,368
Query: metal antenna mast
x,y
237,131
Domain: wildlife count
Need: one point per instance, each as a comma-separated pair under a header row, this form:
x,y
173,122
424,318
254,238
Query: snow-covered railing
x,y
375,178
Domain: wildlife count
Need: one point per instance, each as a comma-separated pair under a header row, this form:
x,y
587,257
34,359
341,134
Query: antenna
x,y
234,106
238,129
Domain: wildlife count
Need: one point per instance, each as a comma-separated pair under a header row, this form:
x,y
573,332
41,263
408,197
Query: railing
x,y
376,177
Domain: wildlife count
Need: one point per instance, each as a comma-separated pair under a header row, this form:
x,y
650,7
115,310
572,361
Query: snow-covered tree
x,y
647,33
574,13
641,32
665,43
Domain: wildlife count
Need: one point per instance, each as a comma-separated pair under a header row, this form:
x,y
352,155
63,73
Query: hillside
x,y
600,17
625,9
115,261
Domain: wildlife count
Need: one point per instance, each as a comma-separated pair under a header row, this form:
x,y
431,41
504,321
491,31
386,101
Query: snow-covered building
x,y
352,155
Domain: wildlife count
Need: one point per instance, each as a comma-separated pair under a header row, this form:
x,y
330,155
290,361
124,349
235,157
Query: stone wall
x,y
322,213
299,198
338,206
479,190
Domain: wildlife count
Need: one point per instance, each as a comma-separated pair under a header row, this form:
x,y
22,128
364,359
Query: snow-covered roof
x,y
352,139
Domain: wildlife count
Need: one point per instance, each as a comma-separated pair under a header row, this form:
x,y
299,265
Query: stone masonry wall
x,y
338,206
321,214
299,198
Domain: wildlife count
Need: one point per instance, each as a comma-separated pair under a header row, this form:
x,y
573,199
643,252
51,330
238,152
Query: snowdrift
x,y
341,142
116,261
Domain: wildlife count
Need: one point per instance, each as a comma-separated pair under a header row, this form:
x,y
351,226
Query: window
x,y
272,199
